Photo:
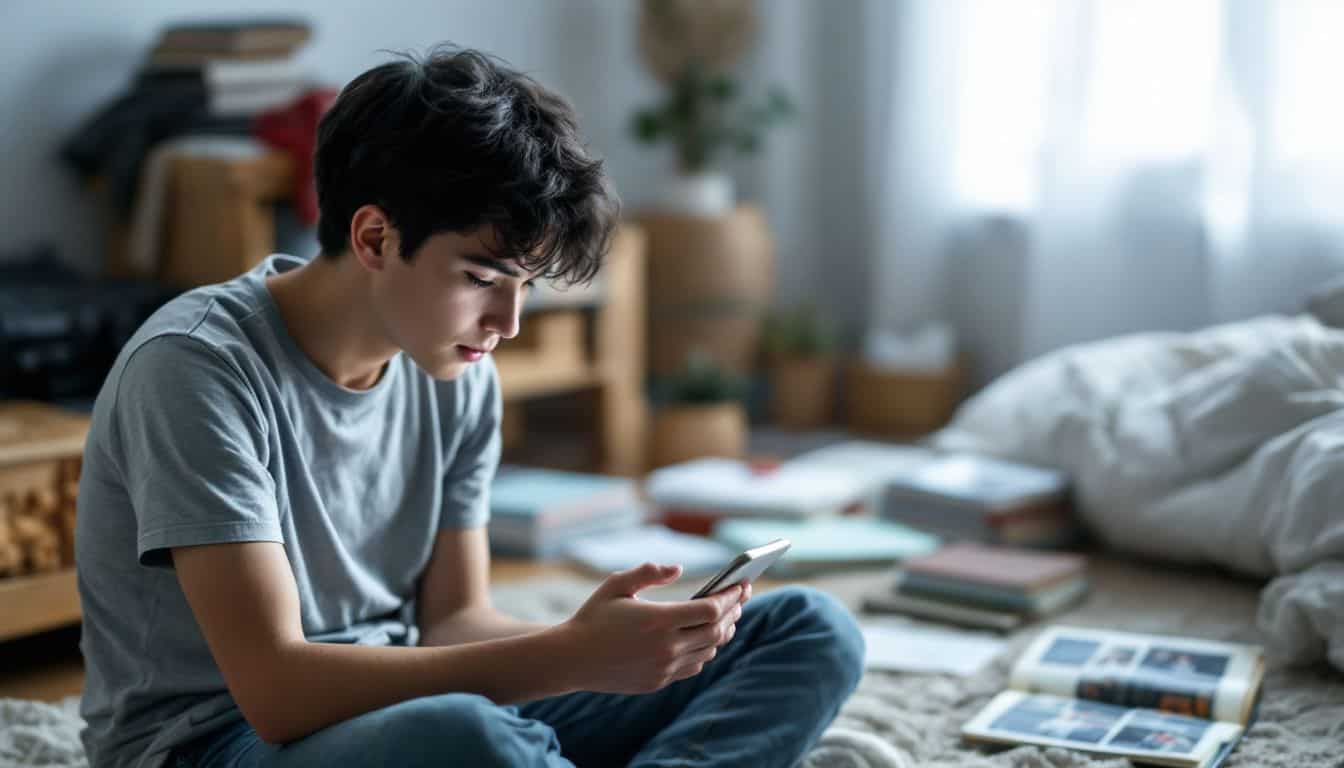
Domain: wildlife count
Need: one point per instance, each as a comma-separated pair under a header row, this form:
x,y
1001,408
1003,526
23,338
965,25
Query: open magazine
x,y
1162,700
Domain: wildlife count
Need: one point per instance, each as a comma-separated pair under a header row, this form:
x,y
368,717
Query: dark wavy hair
x,y
455,141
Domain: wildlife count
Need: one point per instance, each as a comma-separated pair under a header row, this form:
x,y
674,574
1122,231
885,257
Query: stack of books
x,y
246,65
976,585
694,496
877,465
989,500
539,513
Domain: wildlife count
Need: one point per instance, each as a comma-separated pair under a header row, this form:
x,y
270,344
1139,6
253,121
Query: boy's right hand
x,y
623,644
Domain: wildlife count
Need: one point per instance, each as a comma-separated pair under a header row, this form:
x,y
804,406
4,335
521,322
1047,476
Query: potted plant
x,y
800,355
700,413
691,45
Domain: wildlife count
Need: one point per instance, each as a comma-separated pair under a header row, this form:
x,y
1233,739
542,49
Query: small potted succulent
x,y
800,356
699,413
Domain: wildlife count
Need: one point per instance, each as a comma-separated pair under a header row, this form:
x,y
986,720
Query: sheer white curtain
x,y
1142,164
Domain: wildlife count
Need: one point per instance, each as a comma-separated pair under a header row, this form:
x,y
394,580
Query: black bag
x,y
61,332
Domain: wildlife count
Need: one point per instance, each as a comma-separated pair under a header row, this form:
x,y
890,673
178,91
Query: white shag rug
x,y
898,720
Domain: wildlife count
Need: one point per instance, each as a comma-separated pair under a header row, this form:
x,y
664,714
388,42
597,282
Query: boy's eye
x,y
478,282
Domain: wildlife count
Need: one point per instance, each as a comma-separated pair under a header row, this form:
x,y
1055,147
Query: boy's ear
x,y
373,239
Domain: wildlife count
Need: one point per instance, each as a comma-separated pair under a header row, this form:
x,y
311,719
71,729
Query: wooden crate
x,y
40,449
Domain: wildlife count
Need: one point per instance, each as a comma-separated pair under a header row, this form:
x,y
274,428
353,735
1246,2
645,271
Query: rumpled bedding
x,y
1223,446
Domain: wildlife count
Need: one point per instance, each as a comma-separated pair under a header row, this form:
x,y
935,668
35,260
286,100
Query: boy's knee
x,y
471,729
832,628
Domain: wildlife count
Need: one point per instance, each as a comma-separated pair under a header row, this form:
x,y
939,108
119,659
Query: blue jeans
x,y
763,701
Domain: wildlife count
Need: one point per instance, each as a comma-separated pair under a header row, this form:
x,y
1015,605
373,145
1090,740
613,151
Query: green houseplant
x,y
800,346
700,413
691,46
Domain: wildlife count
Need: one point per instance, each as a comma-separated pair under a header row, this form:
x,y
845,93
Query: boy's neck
x,y
326,308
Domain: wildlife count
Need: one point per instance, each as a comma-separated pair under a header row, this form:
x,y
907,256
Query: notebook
x,y
828,543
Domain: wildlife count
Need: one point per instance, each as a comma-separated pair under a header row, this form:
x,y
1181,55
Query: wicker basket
x,y
901,403
40,448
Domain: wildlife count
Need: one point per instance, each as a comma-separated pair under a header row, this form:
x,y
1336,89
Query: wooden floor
x,y
48,666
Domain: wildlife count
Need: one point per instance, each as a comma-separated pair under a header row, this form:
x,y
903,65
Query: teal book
x,y
546,497
830,543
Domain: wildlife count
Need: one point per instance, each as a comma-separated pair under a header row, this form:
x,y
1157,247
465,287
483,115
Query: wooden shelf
x,y
38,602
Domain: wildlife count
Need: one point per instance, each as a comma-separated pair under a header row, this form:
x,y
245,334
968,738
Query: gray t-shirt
x,y
214,427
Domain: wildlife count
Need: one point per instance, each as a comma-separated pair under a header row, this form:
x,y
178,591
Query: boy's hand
x,y
625,645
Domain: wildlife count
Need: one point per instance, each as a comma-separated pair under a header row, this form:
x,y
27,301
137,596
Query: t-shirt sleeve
x,y
193,448
467,478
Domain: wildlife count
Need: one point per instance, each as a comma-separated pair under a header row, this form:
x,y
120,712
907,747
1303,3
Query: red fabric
x,y
293,128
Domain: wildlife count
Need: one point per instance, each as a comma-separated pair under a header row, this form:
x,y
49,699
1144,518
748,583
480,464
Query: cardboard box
x,y
901,403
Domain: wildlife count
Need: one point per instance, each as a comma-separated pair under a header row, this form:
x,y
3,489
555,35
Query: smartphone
x,y
745,567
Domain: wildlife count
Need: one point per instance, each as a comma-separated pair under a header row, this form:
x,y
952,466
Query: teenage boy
x,y
281,541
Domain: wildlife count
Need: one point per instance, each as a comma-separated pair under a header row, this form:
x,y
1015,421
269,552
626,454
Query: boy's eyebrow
x,y
499,265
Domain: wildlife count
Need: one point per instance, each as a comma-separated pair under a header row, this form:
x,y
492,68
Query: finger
x,y
700,639
693,664
746,592
712,639
629,583
706,610
718,633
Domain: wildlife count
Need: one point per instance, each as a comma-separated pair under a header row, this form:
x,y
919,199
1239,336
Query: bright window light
x,y
1003,81
1308,55
1153,69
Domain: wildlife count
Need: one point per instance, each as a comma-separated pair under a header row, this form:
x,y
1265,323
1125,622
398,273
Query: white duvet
x,y
1222,446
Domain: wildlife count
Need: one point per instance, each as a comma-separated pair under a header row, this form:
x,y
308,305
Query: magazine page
x,y
1199,678
1015,717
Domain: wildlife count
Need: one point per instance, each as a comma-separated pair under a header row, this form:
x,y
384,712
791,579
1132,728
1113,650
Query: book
x,y
518,539
537,512
1032,583
888,601
694,496
236,35
829,543
235,101
217,74
978,498
1034,604
623,549
1170,701
1006,568
877,464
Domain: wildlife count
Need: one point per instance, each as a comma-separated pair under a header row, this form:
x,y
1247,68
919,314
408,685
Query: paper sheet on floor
x,y
907,647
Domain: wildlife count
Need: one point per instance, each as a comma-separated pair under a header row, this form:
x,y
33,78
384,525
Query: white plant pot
x,y
698,194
